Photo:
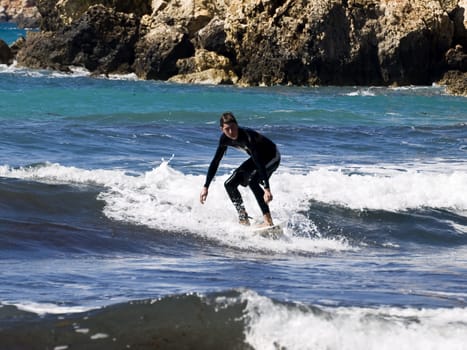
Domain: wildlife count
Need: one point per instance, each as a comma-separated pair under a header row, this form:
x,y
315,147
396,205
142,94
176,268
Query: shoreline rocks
x,y
257,42
6,54
101,40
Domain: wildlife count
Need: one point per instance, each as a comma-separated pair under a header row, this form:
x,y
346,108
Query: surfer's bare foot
x,y
267,220
244,222
243,218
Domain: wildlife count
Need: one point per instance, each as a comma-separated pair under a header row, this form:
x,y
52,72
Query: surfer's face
x,y
230,130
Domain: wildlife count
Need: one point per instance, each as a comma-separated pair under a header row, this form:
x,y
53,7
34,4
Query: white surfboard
x,y
271,232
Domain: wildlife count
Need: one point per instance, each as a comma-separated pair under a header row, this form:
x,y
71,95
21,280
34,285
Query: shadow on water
x,y
47,219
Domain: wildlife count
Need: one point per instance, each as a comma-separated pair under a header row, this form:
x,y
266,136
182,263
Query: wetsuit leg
x,y
239,177
245,175
258,190
259,194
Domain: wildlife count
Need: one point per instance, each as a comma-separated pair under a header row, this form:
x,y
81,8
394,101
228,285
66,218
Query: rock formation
x,y
101,40
22,12
256,42
6,55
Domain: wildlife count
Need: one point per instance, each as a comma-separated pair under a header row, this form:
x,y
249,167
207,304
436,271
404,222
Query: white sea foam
x,y
362,92
167,199
74,72
39,73
278,326
389,189
99,336
47,308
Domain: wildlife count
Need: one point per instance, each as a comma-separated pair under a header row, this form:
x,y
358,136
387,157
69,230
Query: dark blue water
x,y
100,219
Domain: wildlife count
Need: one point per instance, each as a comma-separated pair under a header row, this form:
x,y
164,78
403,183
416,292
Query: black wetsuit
x,y
264,159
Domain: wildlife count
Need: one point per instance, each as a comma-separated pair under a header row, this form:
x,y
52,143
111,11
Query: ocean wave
x,y
237,319
166,199
389,189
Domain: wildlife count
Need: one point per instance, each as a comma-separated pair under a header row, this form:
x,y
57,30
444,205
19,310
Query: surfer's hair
x,y
227,118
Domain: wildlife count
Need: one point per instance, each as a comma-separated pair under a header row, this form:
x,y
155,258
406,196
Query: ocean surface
x,y
104,244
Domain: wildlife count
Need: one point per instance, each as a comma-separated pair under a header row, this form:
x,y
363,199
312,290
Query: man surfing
x,y
254,172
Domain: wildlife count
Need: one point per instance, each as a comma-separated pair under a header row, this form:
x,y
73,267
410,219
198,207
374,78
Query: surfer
x,y
254,172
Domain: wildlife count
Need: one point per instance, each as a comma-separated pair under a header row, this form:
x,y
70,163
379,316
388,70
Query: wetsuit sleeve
x,y
215,163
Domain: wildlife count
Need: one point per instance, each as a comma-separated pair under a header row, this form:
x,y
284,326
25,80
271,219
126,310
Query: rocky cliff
x,y
257,42
22,12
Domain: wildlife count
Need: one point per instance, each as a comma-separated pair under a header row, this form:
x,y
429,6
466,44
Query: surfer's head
x,y
227,118
229,125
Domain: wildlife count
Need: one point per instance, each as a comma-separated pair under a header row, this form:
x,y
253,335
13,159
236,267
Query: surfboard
x,y
271,232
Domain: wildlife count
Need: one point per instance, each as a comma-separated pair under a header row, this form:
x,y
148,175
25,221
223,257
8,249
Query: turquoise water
x,y
9,33
99,187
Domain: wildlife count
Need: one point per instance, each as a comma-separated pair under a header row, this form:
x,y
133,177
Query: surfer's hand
x,y
267,195
203,195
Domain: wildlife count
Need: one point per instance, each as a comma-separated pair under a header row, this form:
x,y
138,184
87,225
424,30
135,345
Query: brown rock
x,y
456,59
158,51
23,12
459,17
455,82
6,56
44,50
212,37
333,42
206,67
102,41
59,13
299,42
209,76
17,45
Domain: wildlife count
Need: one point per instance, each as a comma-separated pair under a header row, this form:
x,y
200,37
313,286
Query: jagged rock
x,y
266,42
455,82
23,12
171,34
17,45
209,76
158,51
203,60
206,67
102,41
212,37
44,50
339,42
28,17
50,16
455,79
6,56
57,14
456,59
459,17
189,14
413,39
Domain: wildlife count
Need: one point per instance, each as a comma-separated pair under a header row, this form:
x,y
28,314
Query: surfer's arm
x,y
215,164
212,171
